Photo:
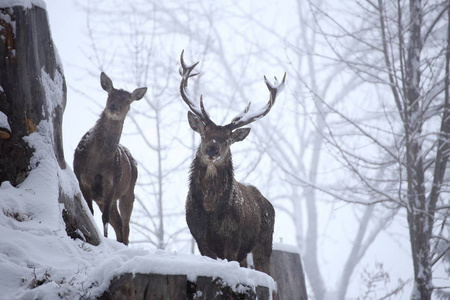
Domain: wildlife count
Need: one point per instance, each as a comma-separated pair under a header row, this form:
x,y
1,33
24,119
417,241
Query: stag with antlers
x,y
227,219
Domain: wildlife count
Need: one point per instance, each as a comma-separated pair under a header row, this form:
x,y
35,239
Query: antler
x,y
240,120
244,118
185,72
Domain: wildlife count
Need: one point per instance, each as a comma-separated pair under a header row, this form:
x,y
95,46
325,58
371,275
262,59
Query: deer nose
x,y
113,108
212,151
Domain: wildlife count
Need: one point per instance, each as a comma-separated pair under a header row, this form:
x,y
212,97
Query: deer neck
x,y
215,182
106,135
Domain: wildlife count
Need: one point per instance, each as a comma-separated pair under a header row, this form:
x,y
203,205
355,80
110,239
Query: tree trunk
x,y
420,223
28,60
287,271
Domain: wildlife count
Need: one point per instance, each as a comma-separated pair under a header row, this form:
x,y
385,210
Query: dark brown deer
x,y
227,219
105,169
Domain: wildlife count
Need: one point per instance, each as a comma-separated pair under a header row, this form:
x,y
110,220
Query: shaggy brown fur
x,y
227,219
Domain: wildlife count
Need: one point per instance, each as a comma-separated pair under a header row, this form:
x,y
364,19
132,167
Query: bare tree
x,y
402,47
298,149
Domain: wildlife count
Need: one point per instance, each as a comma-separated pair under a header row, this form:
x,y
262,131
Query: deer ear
x,y
240,134
138,93
106,83
195,123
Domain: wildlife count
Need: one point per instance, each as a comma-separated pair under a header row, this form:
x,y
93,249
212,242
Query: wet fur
x,y
228,219
106,171
107,174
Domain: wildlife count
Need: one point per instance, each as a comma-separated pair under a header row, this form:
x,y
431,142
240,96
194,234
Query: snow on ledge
x,y
25,3
285,248
4,121
142,261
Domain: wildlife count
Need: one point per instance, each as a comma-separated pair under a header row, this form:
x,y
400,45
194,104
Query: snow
x,y
33,244
25,3
4,121
7,19
162,262
53,89
39,261
245,117
286,248
279,87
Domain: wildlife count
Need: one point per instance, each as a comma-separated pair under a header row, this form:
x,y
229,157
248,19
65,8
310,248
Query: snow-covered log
x,y
184,277
32,102
160,286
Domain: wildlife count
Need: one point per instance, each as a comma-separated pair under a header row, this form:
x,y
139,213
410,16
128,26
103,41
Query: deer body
x,y
227,219
106,170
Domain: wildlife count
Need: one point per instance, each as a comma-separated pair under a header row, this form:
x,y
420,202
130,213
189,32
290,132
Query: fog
x,y
236,44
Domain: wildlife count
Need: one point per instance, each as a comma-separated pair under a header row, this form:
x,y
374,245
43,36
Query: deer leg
x,y
95,191
263,248
199,235
261,257
105,206
105,219
231,249
88,197
206,251
89,202
116,222
243,263
126,207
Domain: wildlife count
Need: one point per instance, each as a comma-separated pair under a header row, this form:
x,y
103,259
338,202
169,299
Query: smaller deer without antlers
x,y
227,219
105,169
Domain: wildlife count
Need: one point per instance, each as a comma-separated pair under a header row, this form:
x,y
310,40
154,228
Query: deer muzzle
x,y
212,151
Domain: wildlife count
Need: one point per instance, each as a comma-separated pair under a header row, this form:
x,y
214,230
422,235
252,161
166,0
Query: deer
x,y
227,219
106,170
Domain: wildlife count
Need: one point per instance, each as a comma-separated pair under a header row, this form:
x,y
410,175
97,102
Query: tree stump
x,y
178,287
287,271
146,286
28,62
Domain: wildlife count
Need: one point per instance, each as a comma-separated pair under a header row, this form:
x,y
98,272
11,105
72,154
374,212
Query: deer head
x,y
216,140
119,101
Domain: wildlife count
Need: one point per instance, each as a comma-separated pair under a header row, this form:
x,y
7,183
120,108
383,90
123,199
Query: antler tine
x,y
185,72
244,118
